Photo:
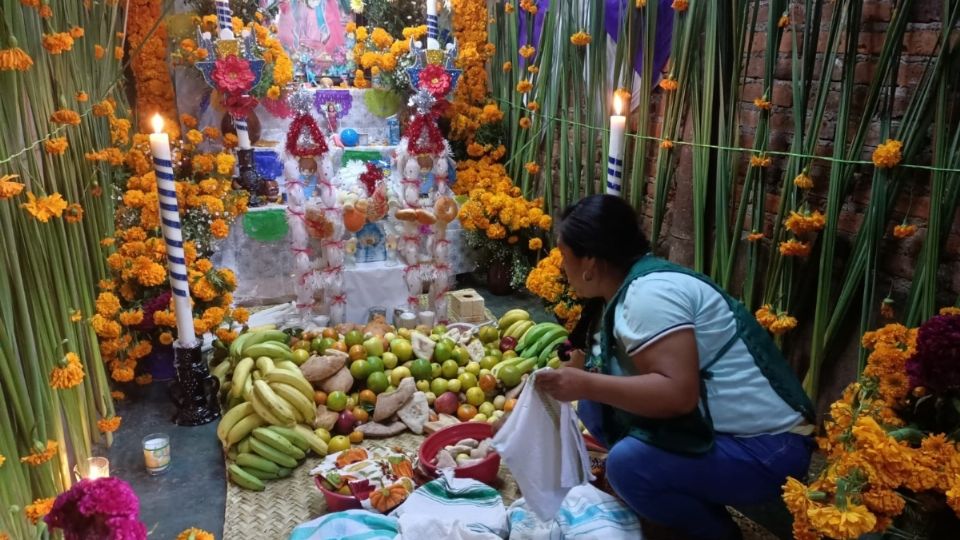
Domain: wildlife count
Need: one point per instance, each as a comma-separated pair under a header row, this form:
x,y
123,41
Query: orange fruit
x,y
356,437
367,396
319,397
329,333
488,383
361,414
466,412
340,346
357,352
509,405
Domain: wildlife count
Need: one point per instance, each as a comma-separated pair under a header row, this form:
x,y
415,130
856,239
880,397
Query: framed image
x,y
314,32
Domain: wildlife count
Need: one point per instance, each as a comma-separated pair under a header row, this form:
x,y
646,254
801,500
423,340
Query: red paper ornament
x,y
314,143
423,135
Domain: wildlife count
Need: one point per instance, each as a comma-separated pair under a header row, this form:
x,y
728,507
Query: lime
x,y
377,381
442,352
300,356
421,369
360,369
317,345
509,376
467,381
454,385
449,369
375,363
354,337
337,401
486,408
488,362
435,370
473,367
475,396
439,386
326,343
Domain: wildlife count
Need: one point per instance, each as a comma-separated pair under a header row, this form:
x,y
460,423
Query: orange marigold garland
x,y
151,75
68,373
41,454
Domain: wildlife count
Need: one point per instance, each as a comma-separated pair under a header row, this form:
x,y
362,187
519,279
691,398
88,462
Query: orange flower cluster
x,y
548,281
109,425
15,59
41,454
468,110
887,155
39,508
68,374
778,323
154,88
803,180
904,230
871,468
805,223
495,206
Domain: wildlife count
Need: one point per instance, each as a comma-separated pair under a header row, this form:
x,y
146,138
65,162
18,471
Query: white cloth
x,y
453,508
559,460
348,525
587,512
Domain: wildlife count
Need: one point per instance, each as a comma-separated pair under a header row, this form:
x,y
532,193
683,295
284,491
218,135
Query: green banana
x,y
316,443
293,436
244,446
284,472
240,375
534,334
533,351
243,428
273,349
253,461
232,454
549,350
265,365
265,450
276,410
262,475
519,329
301,404
236,347
296,380
511,362
244,479
230,419
278,442
262,336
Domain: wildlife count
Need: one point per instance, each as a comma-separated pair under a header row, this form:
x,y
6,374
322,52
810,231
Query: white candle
x,y
98,467
243,134
433,26
173,236
224,17
618,126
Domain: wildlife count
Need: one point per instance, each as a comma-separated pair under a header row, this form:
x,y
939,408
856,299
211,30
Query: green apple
x,y
449,370
435,338
454,385
423,386
390,360
439,386
435,370
431,397
442,352
467,380
402,349
479,418
473,367
488,362
492,420
398,374
498,402
375,363
461,355
360,369
440,329
486,408
317,345
475,396
374,346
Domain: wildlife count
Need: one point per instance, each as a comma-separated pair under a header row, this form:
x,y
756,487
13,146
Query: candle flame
x,y
157,122
617,105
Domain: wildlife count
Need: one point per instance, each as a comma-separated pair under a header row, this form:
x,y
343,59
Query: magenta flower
x,y
232,75
936,364
105,508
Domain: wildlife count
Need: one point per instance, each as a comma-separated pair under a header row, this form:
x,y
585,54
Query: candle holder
x,y
156,453
92,468
195,391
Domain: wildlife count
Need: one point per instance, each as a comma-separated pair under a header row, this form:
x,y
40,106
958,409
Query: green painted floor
x,y
192,492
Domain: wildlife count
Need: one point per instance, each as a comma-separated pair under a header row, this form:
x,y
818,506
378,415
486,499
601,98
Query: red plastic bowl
x,y
485,471
335,501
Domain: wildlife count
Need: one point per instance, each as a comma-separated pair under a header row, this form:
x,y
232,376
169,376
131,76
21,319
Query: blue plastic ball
x,y
349,137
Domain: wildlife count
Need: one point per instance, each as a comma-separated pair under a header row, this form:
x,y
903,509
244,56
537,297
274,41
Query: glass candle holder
x,y
92,468
156,452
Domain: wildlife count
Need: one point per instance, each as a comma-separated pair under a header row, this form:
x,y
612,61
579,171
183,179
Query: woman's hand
x,y
562,384
577,359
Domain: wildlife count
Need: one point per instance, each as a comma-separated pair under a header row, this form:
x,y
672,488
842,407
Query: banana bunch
x,y
541,342
234,371
510,320
270,453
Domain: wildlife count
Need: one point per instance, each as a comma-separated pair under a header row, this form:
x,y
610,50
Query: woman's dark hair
x,y
605,227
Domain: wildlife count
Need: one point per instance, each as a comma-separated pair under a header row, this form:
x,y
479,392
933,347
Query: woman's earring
x,y
587,277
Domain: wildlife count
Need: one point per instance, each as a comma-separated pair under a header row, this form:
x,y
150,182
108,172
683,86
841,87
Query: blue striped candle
x,y
225,19
618,126
433,26
172,234
243,135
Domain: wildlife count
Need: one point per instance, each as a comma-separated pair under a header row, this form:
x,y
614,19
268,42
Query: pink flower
x,y
436,80
105,508
232,75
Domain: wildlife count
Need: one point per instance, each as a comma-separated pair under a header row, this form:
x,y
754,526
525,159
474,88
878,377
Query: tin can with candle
x,y
156,452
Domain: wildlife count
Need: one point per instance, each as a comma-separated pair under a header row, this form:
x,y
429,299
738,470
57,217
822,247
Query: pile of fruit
x,y
326,389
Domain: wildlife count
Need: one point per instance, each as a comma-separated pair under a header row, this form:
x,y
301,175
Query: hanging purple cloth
x,y
615,10
522,18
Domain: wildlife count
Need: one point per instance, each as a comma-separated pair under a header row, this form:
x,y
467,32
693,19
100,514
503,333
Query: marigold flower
x,y
107,304
507,66
194,533
118,395
853,522
803,180
122,374
143,380
641,3
508,8
57,43
529,6
532,167
669,84
273,92
9,188
45,208
40,454
904,230
794,248
760,160
65,117
76,316
581,39
188,121
99,52
666,144
68,373
194,137
782,325
535,244
804,223
14,59
524,86
241,315
784,21
680,5
887,155
109,425
949,311
166,338
533,69
118,53
533,106
755,236
527,51
765,316
524,122
762,103
56,146
76,32
39,508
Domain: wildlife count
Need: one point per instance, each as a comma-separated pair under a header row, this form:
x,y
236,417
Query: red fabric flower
x,y
240,106
232,75
436,80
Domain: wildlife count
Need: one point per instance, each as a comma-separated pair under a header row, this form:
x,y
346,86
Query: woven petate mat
x,y
273,513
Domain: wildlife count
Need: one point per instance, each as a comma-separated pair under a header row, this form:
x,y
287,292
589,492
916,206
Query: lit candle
x,y
433,27
170,224
98,467
225,19
618,126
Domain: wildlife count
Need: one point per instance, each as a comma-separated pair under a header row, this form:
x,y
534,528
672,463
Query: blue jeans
x,y
689,493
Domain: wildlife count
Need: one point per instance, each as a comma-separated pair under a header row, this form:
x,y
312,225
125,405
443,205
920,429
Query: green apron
x,y
692,433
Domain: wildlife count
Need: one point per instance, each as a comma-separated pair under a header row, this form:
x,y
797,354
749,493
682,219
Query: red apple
x,y
508,344
345,423
446,403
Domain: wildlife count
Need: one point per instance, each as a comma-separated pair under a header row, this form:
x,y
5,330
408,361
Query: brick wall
x,y
898,256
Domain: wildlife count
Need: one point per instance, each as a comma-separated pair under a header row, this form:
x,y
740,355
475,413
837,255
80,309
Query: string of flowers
x,y
146,31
